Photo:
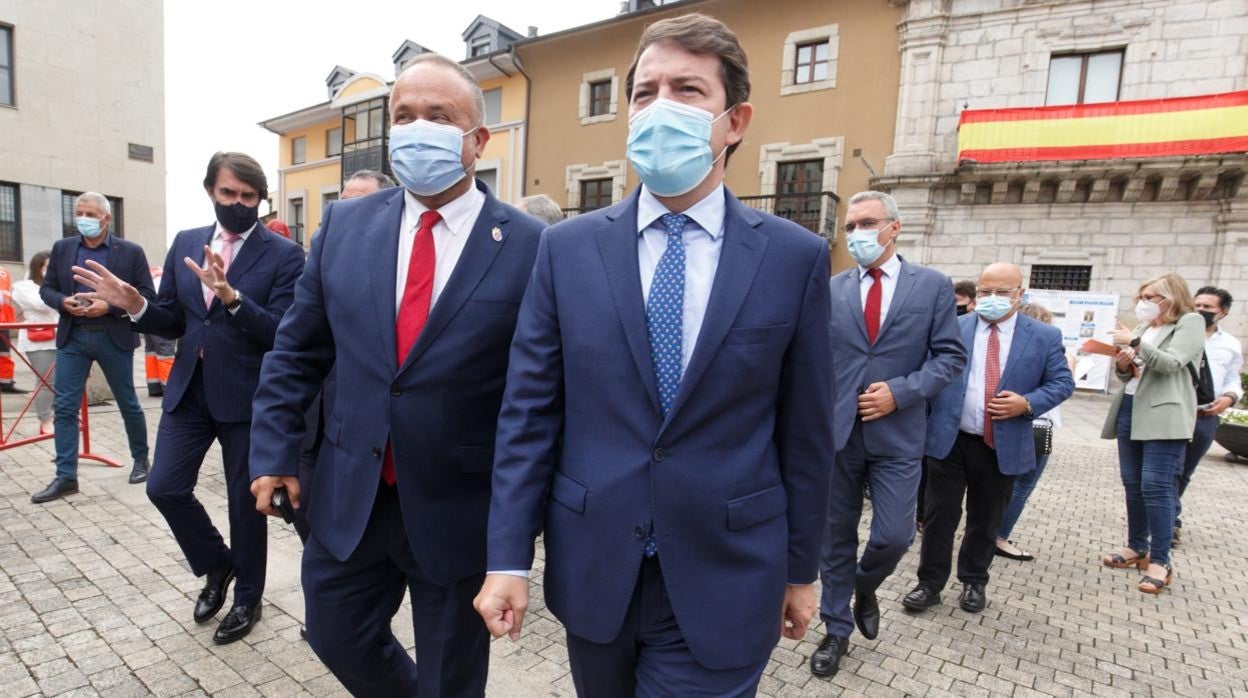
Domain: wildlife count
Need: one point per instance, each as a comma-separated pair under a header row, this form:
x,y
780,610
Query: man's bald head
x,y
428,72
1001,275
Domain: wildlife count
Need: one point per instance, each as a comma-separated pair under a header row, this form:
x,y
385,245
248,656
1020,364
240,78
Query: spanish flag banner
x,y
1141,129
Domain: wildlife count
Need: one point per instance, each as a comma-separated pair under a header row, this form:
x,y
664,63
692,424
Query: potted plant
x,y
1232,434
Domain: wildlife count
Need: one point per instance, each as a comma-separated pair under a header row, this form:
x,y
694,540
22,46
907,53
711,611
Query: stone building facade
x,y
1102,224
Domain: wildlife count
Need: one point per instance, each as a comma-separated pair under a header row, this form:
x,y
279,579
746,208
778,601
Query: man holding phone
x,y
93,331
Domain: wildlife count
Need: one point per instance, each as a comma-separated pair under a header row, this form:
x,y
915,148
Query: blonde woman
x,y
1152,417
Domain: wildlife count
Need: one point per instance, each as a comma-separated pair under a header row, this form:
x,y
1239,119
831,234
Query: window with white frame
x,y
809,60
599,96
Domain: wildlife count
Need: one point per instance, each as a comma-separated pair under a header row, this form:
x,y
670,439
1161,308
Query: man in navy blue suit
x,y
224,290
92,331
668,414
979,434
411,294
896,345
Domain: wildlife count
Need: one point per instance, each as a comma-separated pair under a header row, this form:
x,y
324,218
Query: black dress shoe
x,y
212,598
920,599
237,623
973,598
10,388
826,660
139,473
867,614
59,488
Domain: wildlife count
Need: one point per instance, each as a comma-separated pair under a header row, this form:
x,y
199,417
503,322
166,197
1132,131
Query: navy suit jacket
x,y
264,270
1035,368
439,409
734,479
126,260
917,352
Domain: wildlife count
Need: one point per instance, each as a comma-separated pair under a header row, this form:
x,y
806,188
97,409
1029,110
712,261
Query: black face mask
x,y
964,309
1211,319
236,217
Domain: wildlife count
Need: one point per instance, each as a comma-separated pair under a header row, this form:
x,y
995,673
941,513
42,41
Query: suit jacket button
x,y
659,454
639,532
396,391
376,453
207,322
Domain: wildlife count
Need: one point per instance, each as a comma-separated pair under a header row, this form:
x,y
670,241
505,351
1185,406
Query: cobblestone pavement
x,y
95,598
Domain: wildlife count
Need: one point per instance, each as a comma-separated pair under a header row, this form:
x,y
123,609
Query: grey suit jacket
x,y
917,353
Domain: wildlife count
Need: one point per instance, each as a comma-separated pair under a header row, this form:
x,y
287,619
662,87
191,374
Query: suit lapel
x,y
968,341
197,255
1018,346
617,243
250,251
382,236
743,248
850,295
479,253
901,292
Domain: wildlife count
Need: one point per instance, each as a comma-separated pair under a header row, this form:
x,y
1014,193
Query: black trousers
x,y
971,470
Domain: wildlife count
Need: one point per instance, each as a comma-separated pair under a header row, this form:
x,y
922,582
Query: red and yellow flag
x,y
1146,128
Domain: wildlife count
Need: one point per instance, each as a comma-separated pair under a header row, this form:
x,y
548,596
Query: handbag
x,y
1042,431
43,334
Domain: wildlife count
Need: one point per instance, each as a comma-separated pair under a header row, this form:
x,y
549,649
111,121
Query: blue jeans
x,y
1202,439
1023,486
73,362
1148,470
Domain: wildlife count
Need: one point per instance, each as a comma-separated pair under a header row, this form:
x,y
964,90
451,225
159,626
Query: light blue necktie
x,y
664,310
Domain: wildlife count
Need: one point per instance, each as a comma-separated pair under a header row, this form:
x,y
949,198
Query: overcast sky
x,y
230,64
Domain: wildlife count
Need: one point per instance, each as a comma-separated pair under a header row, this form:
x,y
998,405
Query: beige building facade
x,y
82,108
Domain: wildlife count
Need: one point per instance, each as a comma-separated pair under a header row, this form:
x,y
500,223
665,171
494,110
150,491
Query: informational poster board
x,y
1082,315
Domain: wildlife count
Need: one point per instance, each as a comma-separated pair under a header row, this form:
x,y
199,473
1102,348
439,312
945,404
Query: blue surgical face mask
x,y
427,158
865,247
88,227
993,308
669,144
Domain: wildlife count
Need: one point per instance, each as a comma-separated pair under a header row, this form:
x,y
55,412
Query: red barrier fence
x,y
84,423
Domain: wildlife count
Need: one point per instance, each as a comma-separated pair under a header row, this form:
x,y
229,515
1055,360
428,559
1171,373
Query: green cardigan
x,y
1165,400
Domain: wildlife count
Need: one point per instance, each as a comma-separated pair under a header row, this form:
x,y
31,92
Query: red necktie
x,y
871,312
414,309
992,375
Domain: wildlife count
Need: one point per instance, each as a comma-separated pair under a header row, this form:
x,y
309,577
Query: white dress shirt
x,y
216,245
973,402
449,237
891,269
704,239
1226,359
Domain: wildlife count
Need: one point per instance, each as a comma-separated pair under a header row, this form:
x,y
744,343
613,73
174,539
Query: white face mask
x,y
1147,311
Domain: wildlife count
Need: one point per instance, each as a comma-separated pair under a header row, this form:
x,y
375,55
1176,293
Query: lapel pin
x,y
497,235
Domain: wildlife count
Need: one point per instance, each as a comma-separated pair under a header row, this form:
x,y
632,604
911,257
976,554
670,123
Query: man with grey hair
x,y
92,331
365,182
419,328
542,207
896,342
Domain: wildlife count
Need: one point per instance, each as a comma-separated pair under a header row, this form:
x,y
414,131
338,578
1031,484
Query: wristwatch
x,y
1028,414
1134,343
238,300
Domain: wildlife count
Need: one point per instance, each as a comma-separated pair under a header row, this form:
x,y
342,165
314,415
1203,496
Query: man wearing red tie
x,y
979,434
417,330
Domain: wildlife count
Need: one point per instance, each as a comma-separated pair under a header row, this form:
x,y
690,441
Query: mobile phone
x,y
281,502
81,302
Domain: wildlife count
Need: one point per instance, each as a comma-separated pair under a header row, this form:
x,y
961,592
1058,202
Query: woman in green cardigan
x,y
1153,416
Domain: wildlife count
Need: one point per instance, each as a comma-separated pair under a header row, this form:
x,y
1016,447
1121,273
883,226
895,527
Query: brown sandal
x,y
1118,562
1152,585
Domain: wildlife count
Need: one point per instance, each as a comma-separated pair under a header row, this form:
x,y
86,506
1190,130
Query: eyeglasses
x,y
866,224
998,292
1151,297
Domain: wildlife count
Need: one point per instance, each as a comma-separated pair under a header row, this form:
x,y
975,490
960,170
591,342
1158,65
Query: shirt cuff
x,y
139,315
512,573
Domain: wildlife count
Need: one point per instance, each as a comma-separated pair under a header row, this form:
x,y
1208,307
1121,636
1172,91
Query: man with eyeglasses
x,y
896,342
979,434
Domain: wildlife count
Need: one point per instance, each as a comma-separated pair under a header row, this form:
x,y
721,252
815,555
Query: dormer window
x,y
480,46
